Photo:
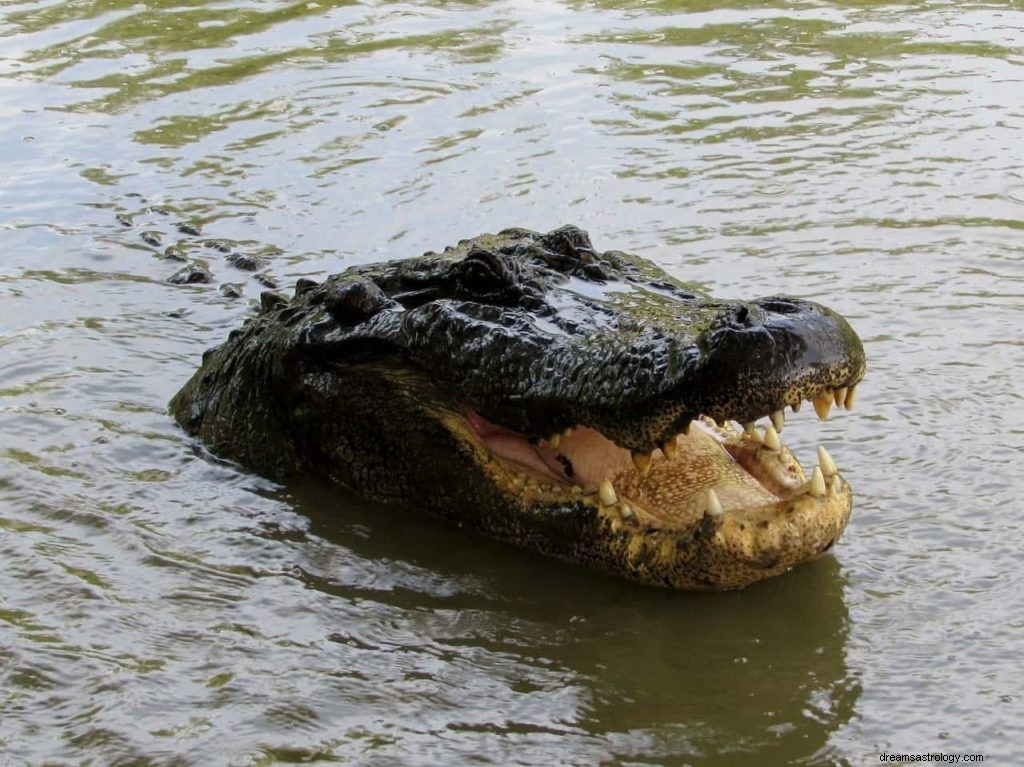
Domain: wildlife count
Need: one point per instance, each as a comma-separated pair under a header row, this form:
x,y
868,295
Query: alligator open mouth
x,y
736,485
712,467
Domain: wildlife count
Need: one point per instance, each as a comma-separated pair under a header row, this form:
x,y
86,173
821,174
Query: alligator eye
x,y
482,273
595,273
570,241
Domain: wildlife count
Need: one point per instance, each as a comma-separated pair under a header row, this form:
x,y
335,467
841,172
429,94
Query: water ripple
x,y
158,606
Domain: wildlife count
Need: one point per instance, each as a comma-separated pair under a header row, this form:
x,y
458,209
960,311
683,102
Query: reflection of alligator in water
x,y
573,402
757,676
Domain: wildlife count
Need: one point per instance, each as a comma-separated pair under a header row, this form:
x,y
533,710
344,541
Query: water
x,y
160,608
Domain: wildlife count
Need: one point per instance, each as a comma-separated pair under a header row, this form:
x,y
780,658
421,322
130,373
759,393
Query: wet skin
x,y
573,402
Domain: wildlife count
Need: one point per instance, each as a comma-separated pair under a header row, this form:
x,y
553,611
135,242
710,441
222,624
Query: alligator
x,y
526,386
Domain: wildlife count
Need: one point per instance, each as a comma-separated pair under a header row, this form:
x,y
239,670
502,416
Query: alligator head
x,y
576,403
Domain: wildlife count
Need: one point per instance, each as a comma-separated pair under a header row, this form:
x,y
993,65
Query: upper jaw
x,y
753,360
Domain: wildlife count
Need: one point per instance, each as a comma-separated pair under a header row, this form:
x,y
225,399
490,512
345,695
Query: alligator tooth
x,y
778,420
828,466
835,487
577,490
754,434
554,441
851,395
626,510
823,404
771,438
567,432
606,493
817,483
642,461
669,448
712,506
839,396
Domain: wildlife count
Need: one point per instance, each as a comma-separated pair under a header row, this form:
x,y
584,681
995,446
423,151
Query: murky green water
x,y
159,608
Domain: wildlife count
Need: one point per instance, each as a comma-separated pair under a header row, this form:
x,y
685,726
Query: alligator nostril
x,y
743,317
780,305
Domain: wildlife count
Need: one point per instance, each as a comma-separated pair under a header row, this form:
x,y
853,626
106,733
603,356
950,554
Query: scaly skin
x,y
533,389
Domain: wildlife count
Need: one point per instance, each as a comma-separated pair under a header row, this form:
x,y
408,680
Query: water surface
x,y
159,607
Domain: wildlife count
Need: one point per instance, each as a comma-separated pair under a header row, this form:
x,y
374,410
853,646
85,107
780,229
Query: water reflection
x,y
650,674
164,48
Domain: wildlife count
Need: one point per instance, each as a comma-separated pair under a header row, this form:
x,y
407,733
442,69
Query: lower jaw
x,y
694,549
727,552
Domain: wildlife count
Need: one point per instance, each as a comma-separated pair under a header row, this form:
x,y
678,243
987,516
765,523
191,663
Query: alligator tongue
x,y
584,457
